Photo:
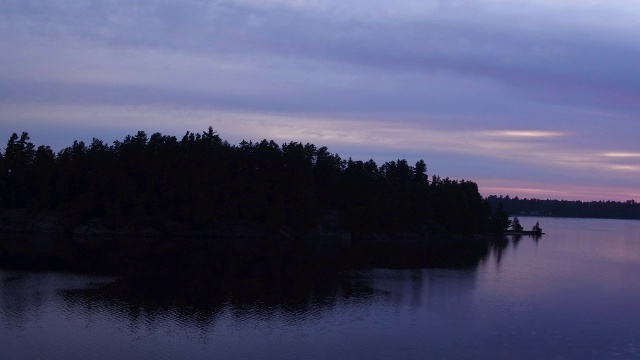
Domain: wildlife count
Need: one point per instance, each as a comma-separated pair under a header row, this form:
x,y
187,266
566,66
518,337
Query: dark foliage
x,y
563,208
203,182
500,219
515,225
536,228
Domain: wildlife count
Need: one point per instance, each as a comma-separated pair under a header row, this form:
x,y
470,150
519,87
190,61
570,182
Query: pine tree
x,y
536,228
515,225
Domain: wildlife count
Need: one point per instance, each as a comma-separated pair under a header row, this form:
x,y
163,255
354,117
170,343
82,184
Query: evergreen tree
x,y
536,228
500,221
515,225
203,182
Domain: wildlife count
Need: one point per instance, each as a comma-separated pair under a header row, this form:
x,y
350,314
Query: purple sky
x,y
526,98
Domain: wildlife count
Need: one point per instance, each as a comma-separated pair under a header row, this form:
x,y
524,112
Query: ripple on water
x,y
557,297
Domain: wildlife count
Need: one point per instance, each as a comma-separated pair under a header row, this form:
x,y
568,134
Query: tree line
x,y
202,182
629,209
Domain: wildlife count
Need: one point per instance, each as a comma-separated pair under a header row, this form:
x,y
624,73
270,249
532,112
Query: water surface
x,y
572,294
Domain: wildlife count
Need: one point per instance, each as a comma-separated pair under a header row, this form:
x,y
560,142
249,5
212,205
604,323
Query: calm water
x,y
573,294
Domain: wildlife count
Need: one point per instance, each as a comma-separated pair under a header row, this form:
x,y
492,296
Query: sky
x,y
526,98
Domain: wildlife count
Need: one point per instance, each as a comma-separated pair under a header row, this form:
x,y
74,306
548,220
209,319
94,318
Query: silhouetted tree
x,y
500,221
515,224
18,158
203,182
629,209
536,228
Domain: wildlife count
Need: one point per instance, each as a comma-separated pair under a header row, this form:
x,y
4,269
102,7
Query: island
x,y
517,229
162,205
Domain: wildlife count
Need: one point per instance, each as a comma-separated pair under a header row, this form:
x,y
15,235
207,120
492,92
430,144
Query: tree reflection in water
x,y
275,287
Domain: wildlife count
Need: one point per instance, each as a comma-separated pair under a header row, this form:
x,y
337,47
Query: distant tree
x,y
500,219
536,228
420,172
563,208
3,182
42,178
515,225
18,158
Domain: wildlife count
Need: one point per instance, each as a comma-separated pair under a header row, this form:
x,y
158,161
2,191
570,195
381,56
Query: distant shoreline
x,y
624,210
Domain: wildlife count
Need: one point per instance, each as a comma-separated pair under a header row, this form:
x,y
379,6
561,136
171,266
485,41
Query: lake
x,y
572,294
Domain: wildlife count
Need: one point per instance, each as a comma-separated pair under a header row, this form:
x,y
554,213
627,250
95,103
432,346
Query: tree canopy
x,y
202,181
629,209
536,228
515,225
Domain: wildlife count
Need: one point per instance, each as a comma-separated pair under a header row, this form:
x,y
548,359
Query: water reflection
x,y
201,307
500,246
23,294
55,301
16,300
571,294
24,297
375,313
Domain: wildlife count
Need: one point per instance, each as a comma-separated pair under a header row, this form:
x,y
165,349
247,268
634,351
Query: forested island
x,y
257,198
565,208
203,183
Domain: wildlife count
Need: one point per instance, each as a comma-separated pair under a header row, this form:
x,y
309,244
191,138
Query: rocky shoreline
x,y
46,242
20,221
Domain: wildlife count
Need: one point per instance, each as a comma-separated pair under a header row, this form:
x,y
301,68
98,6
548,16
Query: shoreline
x,y
531,233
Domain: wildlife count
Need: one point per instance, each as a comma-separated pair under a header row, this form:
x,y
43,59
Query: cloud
x,y
524,134
632,168
622,154
487,41
545,89
536,149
